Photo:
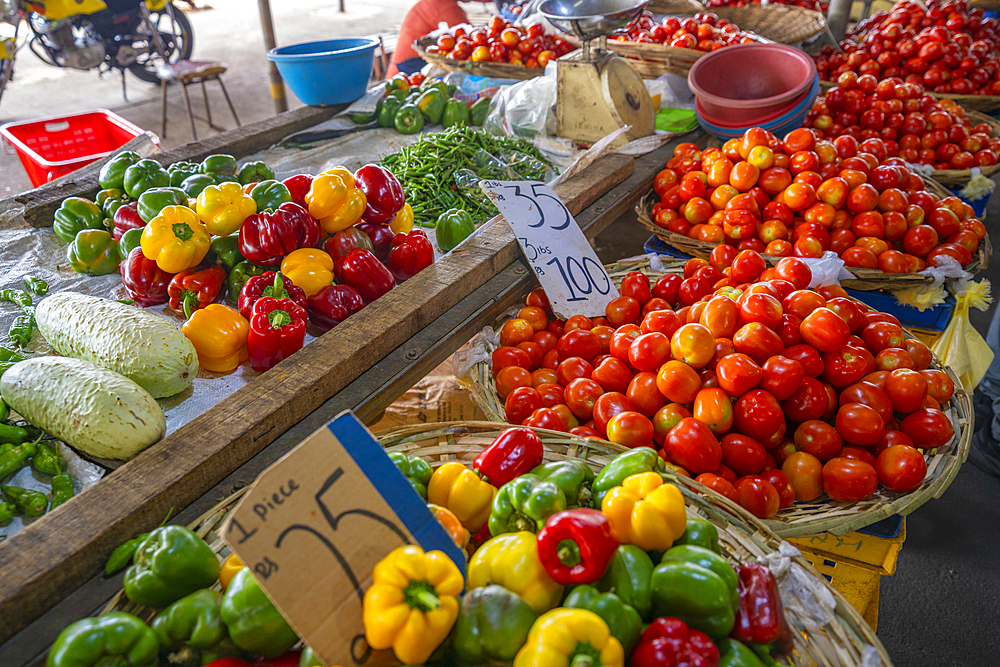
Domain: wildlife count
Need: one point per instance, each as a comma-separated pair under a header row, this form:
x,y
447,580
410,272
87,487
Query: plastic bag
x,y
928,296
522,109
800,592
978,186
827,270
960,345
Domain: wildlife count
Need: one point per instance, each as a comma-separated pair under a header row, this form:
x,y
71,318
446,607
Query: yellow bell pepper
x,y
334,200
308,268
223,208
229,568
463,492
219,335
411,605
175,239
402,223
511,560
646,511
570,638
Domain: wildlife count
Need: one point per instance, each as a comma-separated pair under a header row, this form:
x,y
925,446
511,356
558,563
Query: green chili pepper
x,y
35,285
255,172
121,557
16,296
7,354
62,489
21,329
47,460
12,434
409,119
386,111
15,458
6,366
27,501
6,512
4,411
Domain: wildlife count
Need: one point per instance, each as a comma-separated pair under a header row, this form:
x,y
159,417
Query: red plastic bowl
x,y
745,82
756,121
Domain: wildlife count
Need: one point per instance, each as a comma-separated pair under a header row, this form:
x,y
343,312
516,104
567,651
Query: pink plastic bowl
x,y
749,81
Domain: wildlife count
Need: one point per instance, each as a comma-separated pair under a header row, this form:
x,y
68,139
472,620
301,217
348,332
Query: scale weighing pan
x,y
587,19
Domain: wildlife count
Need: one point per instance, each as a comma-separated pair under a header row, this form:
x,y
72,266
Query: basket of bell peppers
x,y
409,107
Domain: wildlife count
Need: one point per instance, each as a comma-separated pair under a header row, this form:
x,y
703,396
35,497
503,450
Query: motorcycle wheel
x,y
178,42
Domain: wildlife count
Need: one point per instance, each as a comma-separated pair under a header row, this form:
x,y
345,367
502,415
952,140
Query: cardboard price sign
x,y
567,266
315,524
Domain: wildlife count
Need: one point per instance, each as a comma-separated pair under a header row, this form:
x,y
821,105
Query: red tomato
x,y
520,403
721,315
649,351
859,424
781,376
666,288
579,343
546,339
808,357
612,374
849,480
693,344
586,432
920,353
757,496
621,341
795,271
623,310
581,394
870,395
928,428
607,406
939,385
762,308
572,368
545,418
758,415
714,408
506,355
630,429
781,484
906,389
677,381
844,367
636,285
808,402
552,394
758,342
512,377
666,418
665,322
818,438
901,468
644,395
719,485
515,331
825,330
747,265
737,374
805,473
692,445
881,335
742,453
859,453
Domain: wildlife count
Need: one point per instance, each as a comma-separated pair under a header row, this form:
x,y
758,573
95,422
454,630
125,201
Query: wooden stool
x,y
187,72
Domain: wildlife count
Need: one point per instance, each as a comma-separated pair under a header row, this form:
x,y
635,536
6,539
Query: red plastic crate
x,y
51,147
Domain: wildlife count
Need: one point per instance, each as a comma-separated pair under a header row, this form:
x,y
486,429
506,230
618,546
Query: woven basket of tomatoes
x,y
810,410
500,49
802,197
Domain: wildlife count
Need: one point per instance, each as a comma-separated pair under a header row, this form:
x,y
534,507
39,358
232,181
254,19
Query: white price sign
x,y
567,266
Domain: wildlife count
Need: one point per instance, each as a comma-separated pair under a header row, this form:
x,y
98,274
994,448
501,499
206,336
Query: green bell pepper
x,y
628,576
701,533
452,227
239,275
308,658
47,460
113,640
479,111
128,242
640,459
622,619
269,195
254,623
573,476
524,503
696,595
191,631
76,214
170,563
181,170
154,200
145,175
385,111
492,626
223,167
431,104
255,172
434,83
709,560
455,113
94,252
227,251
416,470
398,82
363,118
112,174
27,501
110,201
734,653
195,183
409,119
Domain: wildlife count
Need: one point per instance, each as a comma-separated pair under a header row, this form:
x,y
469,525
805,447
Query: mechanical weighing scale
x,y
596,91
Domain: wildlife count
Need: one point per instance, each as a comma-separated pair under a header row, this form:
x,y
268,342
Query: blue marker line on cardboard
x,y
393,486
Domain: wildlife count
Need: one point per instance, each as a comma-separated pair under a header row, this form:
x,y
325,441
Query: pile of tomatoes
x,y
502,42
814,5
760,388
914,126
801,197
702,32
947,48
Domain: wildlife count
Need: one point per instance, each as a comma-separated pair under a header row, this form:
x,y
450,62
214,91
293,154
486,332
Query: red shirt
x,y
423,18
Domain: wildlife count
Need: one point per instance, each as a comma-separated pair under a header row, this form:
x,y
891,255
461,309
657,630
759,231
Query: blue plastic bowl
x,y
333,71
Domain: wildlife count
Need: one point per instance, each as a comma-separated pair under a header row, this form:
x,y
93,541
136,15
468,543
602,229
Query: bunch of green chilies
x,y
427,170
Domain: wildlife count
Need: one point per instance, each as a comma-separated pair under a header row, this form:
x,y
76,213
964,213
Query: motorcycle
x,y
134,35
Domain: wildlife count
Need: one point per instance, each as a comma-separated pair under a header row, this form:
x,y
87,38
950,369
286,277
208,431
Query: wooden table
x,y
49,572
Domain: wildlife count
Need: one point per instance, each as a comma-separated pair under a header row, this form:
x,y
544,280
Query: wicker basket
x,y
676,7
957,178
742,537
486,69
784,24
821,515
866,279
983,103
654,60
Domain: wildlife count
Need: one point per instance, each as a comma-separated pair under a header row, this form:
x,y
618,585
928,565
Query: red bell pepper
x,y
514,452
576,546
126,218
193,289
362,271
289,659
760,618
668,642
277,331
332,305
345,241
381,237
265,238
145,283
410,254
298,186
383,192
269,283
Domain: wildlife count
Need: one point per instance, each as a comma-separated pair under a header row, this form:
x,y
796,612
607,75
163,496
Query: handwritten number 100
x,y
575,272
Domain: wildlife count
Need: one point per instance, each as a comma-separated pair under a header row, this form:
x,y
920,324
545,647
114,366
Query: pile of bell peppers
x,y
409,106
198,235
